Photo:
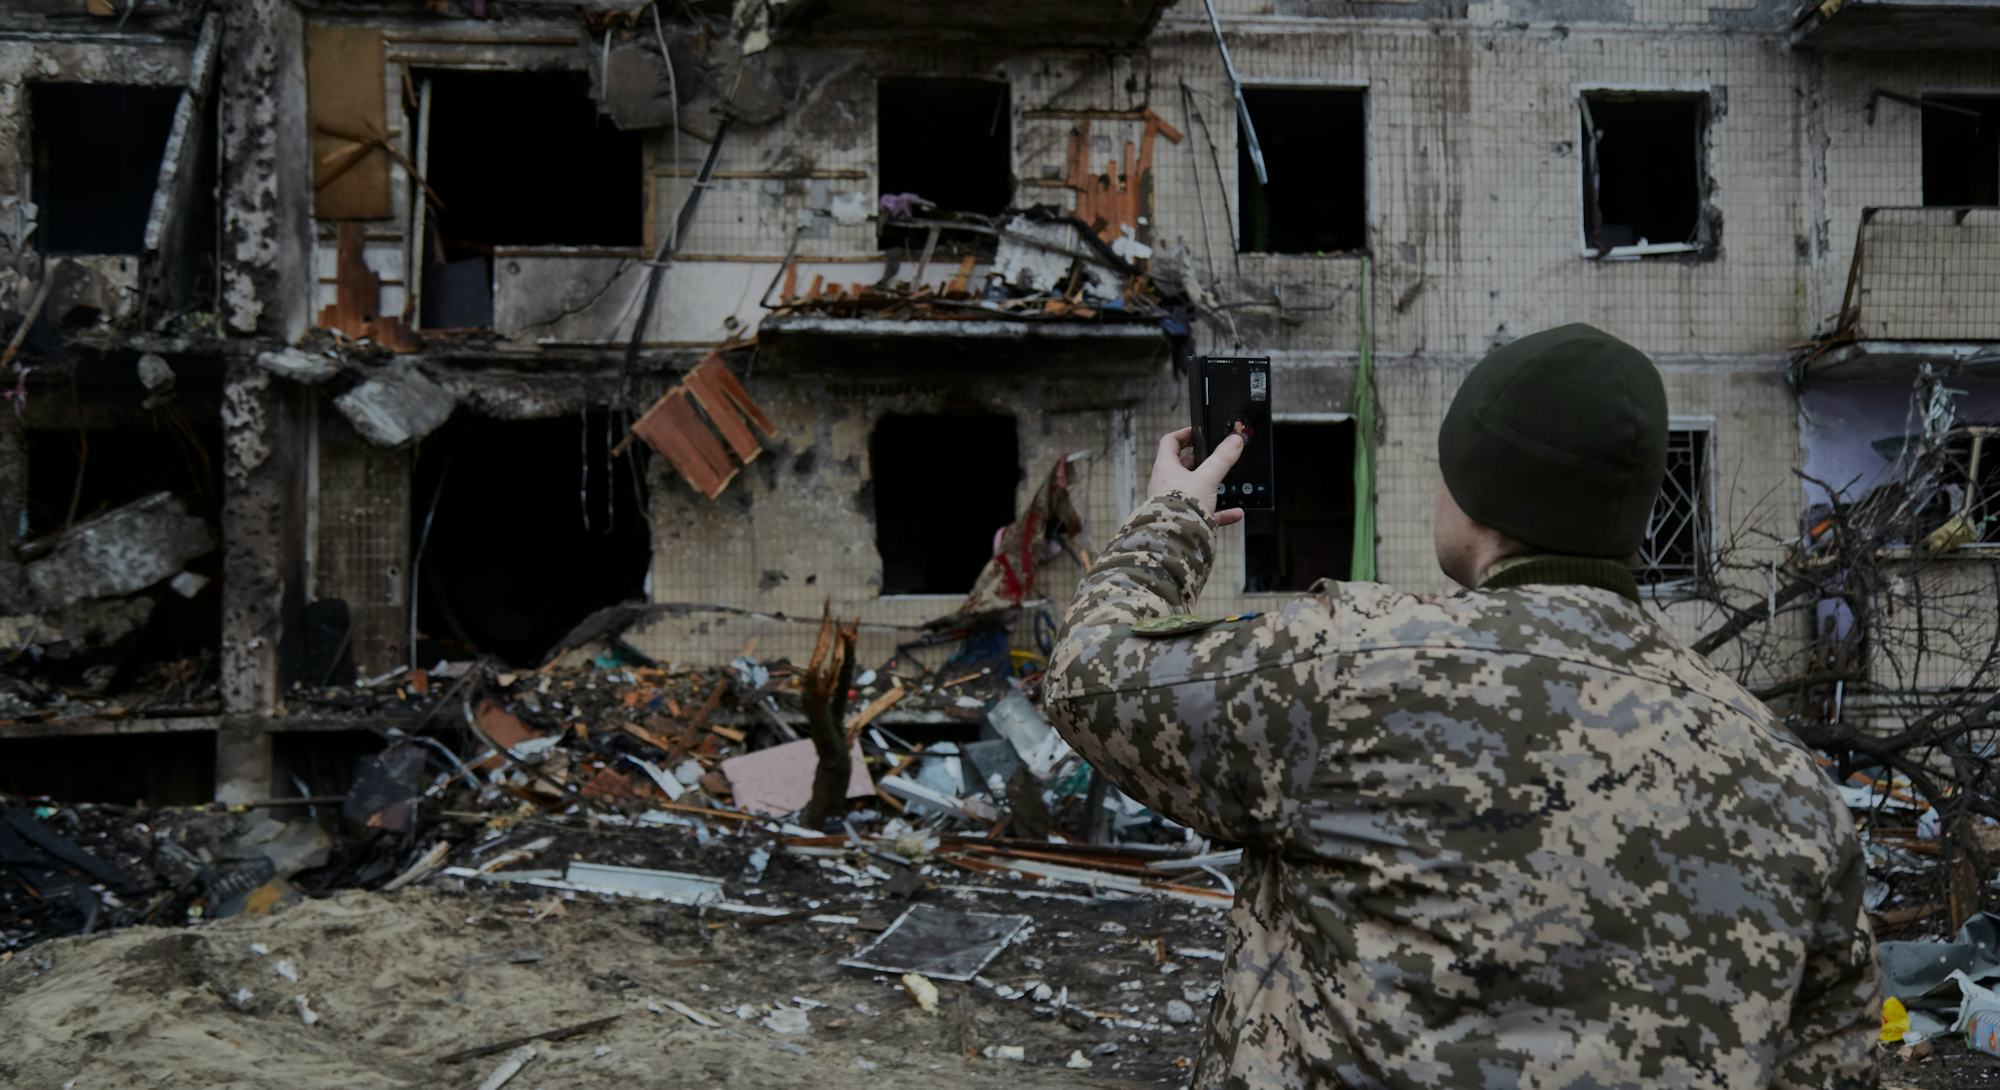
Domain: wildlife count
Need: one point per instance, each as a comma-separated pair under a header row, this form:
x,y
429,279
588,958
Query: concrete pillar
x,y
266,270
263,563
266,175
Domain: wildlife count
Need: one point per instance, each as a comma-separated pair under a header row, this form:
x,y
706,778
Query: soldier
x,y
1514,836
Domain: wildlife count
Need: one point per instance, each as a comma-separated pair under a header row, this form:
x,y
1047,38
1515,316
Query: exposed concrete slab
x,y
298,365
120,552
397,406
862,345
1901,26
1877,361
1073,22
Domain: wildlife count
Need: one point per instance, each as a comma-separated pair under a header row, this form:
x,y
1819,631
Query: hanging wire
x,y
674,104
583,463
1194,167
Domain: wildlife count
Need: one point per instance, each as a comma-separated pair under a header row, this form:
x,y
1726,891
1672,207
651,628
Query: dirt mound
x,y
395,983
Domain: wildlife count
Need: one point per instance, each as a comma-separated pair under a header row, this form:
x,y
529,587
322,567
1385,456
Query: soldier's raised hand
x,y
1174,471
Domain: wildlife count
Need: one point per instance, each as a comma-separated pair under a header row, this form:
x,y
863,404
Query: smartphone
x,y
1231,395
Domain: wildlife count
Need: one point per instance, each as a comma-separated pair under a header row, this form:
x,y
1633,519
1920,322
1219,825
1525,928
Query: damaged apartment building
x,y
350,336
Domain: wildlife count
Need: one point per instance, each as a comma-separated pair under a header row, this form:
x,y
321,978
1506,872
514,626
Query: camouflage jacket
x,y
1515,837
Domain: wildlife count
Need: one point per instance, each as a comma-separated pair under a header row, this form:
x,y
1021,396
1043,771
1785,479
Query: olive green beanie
x,y
1559,440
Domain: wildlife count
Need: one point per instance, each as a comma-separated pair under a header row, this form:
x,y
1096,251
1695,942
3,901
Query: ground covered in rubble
x,y
365,989
396,982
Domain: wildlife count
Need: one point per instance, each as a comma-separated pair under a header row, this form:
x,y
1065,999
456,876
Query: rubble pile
x,y
960,868
952,766
92,591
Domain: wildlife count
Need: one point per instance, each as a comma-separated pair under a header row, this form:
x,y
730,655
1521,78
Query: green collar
x,y
1564,570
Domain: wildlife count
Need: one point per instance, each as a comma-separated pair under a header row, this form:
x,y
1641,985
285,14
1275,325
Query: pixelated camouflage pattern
x,y
1516,838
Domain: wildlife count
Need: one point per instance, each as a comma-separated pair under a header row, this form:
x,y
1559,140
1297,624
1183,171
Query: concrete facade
x,y
1475,193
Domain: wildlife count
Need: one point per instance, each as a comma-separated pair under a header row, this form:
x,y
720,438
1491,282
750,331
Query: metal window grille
x,y
1680,530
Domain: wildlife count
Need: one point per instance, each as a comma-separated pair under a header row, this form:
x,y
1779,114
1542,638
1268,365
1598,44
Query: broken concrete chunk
x,y
20,631
398,405
154,372
298,365
119,552
188,584
787,1020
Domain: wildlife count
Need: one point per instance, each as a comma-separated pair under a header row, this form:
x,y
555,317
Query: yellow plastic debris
x,y
922,992
1895,1020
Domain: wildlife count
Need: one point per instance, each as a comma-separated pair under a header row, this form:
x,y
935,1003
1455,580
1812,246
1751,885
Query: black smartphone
x,y
1231,395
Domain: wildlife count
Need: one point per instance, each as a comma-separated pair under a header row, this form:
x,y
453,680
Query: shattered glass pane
x,y
940,943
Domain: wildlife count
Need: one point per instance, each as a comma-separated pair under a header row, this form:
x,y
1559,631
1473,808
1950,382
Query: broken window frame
x,y
1705,241
1655,577
1243,551
414,67
1362,90
1952,100
176,153
954,242
167,248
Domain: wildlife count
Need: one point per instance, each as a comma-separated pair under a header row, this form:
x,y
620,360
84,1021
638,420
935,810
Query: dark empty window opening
x,y
1315,145
170,768
101,452
1961,150
1645,174
536,527
948,142
1681,528
938,507
1311,535
97,149
519,159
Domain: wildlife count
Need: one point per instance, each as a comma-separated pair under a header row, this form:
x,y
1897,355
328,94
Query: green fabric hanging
x,y
1363,567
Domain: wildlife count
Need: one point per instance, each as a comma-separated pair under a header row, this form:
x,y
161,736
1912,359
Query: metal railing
x,y
1924,274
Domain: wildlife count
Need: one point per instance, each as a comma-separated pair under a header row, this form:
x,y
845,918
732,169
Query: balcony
x,y
1075,23
1885,26
1923,287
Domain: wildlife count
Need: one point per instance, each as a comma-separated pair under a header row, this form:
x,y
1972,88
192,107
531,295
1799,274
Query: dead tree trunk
x,y
829,675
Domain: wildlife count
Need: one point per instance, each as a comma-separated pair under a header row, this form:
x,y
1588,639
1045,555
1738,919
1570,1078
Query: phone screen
x,y
1232,396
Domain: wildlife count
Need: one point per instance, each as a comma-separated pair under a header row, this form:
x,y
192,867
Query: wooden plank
x,y
720,375
723,413
661,433
869,714
681,411
344,90
674,429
